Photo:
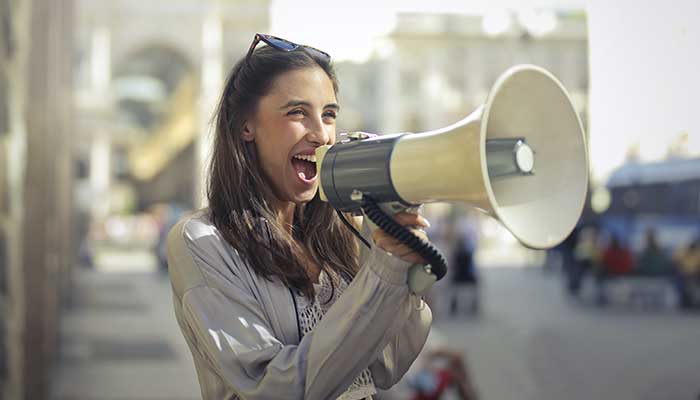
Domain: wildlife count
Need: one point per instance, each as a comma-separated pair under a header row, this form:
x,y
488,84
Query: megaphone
x,y
520,157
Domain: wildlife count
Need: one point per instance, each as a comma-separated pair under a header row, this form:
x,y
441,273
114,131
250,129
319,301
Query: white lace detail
x,y
311,312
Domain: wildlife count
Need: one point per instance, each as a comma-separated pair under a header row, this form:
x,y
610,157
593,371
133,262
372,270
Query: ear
x,y
248,134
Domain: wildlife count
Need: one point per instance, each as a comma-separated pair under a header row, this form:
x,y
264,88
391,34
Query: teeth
x,y
311,157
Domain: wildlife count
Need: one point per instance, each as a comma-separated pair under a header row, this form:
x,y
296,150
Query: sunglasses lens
x,y
286,45
317,52
281,44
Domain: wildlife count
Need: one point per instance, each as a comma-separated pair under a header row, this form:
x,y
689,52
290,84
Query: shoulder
x,y
193,233
193,225
198,255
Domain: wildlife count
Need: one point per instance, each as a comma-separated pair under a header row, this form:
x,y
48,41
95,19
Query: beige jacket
x,y
243,334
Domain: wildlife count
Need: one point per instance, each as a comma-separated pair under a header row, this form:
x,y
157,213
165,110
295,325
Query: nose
x,y
319,133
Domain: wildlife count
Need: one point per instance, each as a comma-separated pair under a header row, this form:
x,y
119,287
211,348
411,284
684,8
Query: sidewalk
x,y
120,340
531,342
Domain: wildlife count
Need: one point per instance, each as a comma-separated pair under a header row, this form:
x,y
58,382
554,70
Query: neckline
x,y
322,278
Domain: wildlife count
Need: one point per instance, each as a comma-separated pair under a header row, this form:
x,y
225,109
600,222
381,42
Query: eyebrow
x,y
294,103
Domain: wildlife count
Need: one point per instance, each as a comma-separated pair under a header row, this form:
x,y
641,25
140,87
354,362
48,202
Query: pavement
x,y
533,342
120,341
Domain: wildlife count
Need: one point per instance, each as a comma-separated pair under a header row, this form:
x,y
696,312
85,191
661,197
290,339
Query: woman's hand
x,y
414,223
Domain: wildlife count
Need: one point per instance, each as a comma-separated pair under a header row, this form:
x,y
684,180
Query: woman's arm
x,y
403,349
233,333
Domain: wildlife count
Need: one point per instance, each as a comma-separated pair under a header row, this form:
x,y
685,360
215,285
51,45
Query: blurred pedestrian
x,y
166,216
465,284
617,261
688,273
653,260
561,257
585,256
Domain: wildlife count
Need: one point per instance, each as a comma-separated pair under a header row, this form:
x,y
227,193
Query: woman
x,y
253,274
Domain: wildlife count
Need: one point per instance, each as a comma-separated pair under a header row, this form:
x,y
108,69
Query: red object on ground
x,y
444,378
617,261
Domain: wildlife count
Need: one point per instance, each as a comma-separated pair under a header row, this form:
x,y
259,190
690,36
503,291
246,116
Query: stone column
x,y
211,88
13,26
46,188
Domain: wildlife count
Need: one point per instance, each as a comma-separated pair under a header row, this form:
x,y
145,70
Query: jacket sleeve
x,y
234,336
403,349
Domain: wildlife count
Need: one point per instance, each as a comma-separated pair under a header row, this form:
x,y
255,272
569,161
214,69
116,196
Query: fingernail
x,y
426,223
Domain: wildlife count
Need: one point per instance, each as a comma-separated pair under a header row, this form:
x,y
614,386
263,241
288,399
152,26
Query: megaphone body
x,y
520,158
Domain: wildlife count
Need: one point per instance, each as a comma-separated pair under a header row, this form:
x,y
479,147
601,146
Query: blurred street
x,y
532,343
120,341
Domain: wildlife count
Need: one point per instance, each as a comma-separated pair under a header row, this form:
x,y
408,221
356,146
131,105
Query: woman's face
x,y
295,117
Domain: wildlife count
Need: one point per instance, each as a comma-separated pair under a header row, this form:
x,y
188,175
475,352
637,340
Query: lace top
x,y
311,312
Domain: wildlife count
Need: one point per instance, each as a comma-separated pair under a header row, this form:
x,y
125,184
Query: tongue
x,y
305,169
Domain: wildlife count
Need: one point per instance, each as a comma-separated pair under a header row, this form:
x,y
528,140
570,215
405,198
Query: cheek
x,y
333,135
275,158
268,157
269,144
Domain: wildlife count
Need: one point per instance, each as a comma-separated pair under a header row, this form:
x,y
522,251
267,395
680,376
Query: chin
x,y
305,197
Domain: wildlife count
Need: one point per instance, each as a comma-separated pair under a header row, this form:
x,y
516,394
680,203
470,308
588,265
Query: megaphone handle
x,y
420,279
438,264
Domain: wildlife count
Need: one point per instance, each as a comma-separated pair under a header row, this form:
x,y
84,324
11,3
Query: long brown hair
x,y
241,200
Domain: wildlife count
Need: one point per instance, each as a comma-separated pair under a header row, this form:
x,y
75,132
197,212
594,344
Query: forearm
x,y
403,349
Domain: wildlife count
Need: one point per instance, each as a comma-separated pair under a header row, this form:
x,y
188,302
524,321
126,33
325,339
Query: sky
x,y
644,79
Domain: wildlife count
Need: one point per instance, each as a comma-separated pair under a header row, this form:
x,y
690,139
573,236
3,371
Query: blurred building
x,y
148,77
434,69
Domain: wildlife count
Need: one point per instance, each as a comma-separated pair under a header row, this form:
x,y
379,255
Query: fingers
x,y
398,249
414,223
383,239
410,219
414,258
404,219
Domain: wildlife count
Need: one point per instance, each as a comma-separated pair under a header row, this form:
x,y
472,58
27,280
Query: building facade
x,y
434,69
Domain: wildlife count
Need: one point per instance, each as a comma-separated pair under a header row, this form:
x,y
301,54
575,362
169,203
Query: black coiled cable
x,y
437,261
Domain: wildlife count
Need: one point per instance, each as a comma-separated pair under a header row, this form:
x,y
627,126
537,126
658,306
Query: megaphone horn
x,y
520,157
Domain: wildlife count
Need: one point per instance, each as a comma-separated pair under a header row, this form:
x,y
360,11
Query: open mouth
x,y
305,166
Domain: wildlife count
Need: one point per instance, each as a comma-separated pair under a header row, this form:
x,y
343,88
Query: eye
x,y
330,114
296,111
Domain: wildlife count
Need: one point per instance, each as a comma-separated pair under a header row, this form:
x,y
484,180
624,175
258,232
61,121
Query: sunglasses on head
x,y
284,45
